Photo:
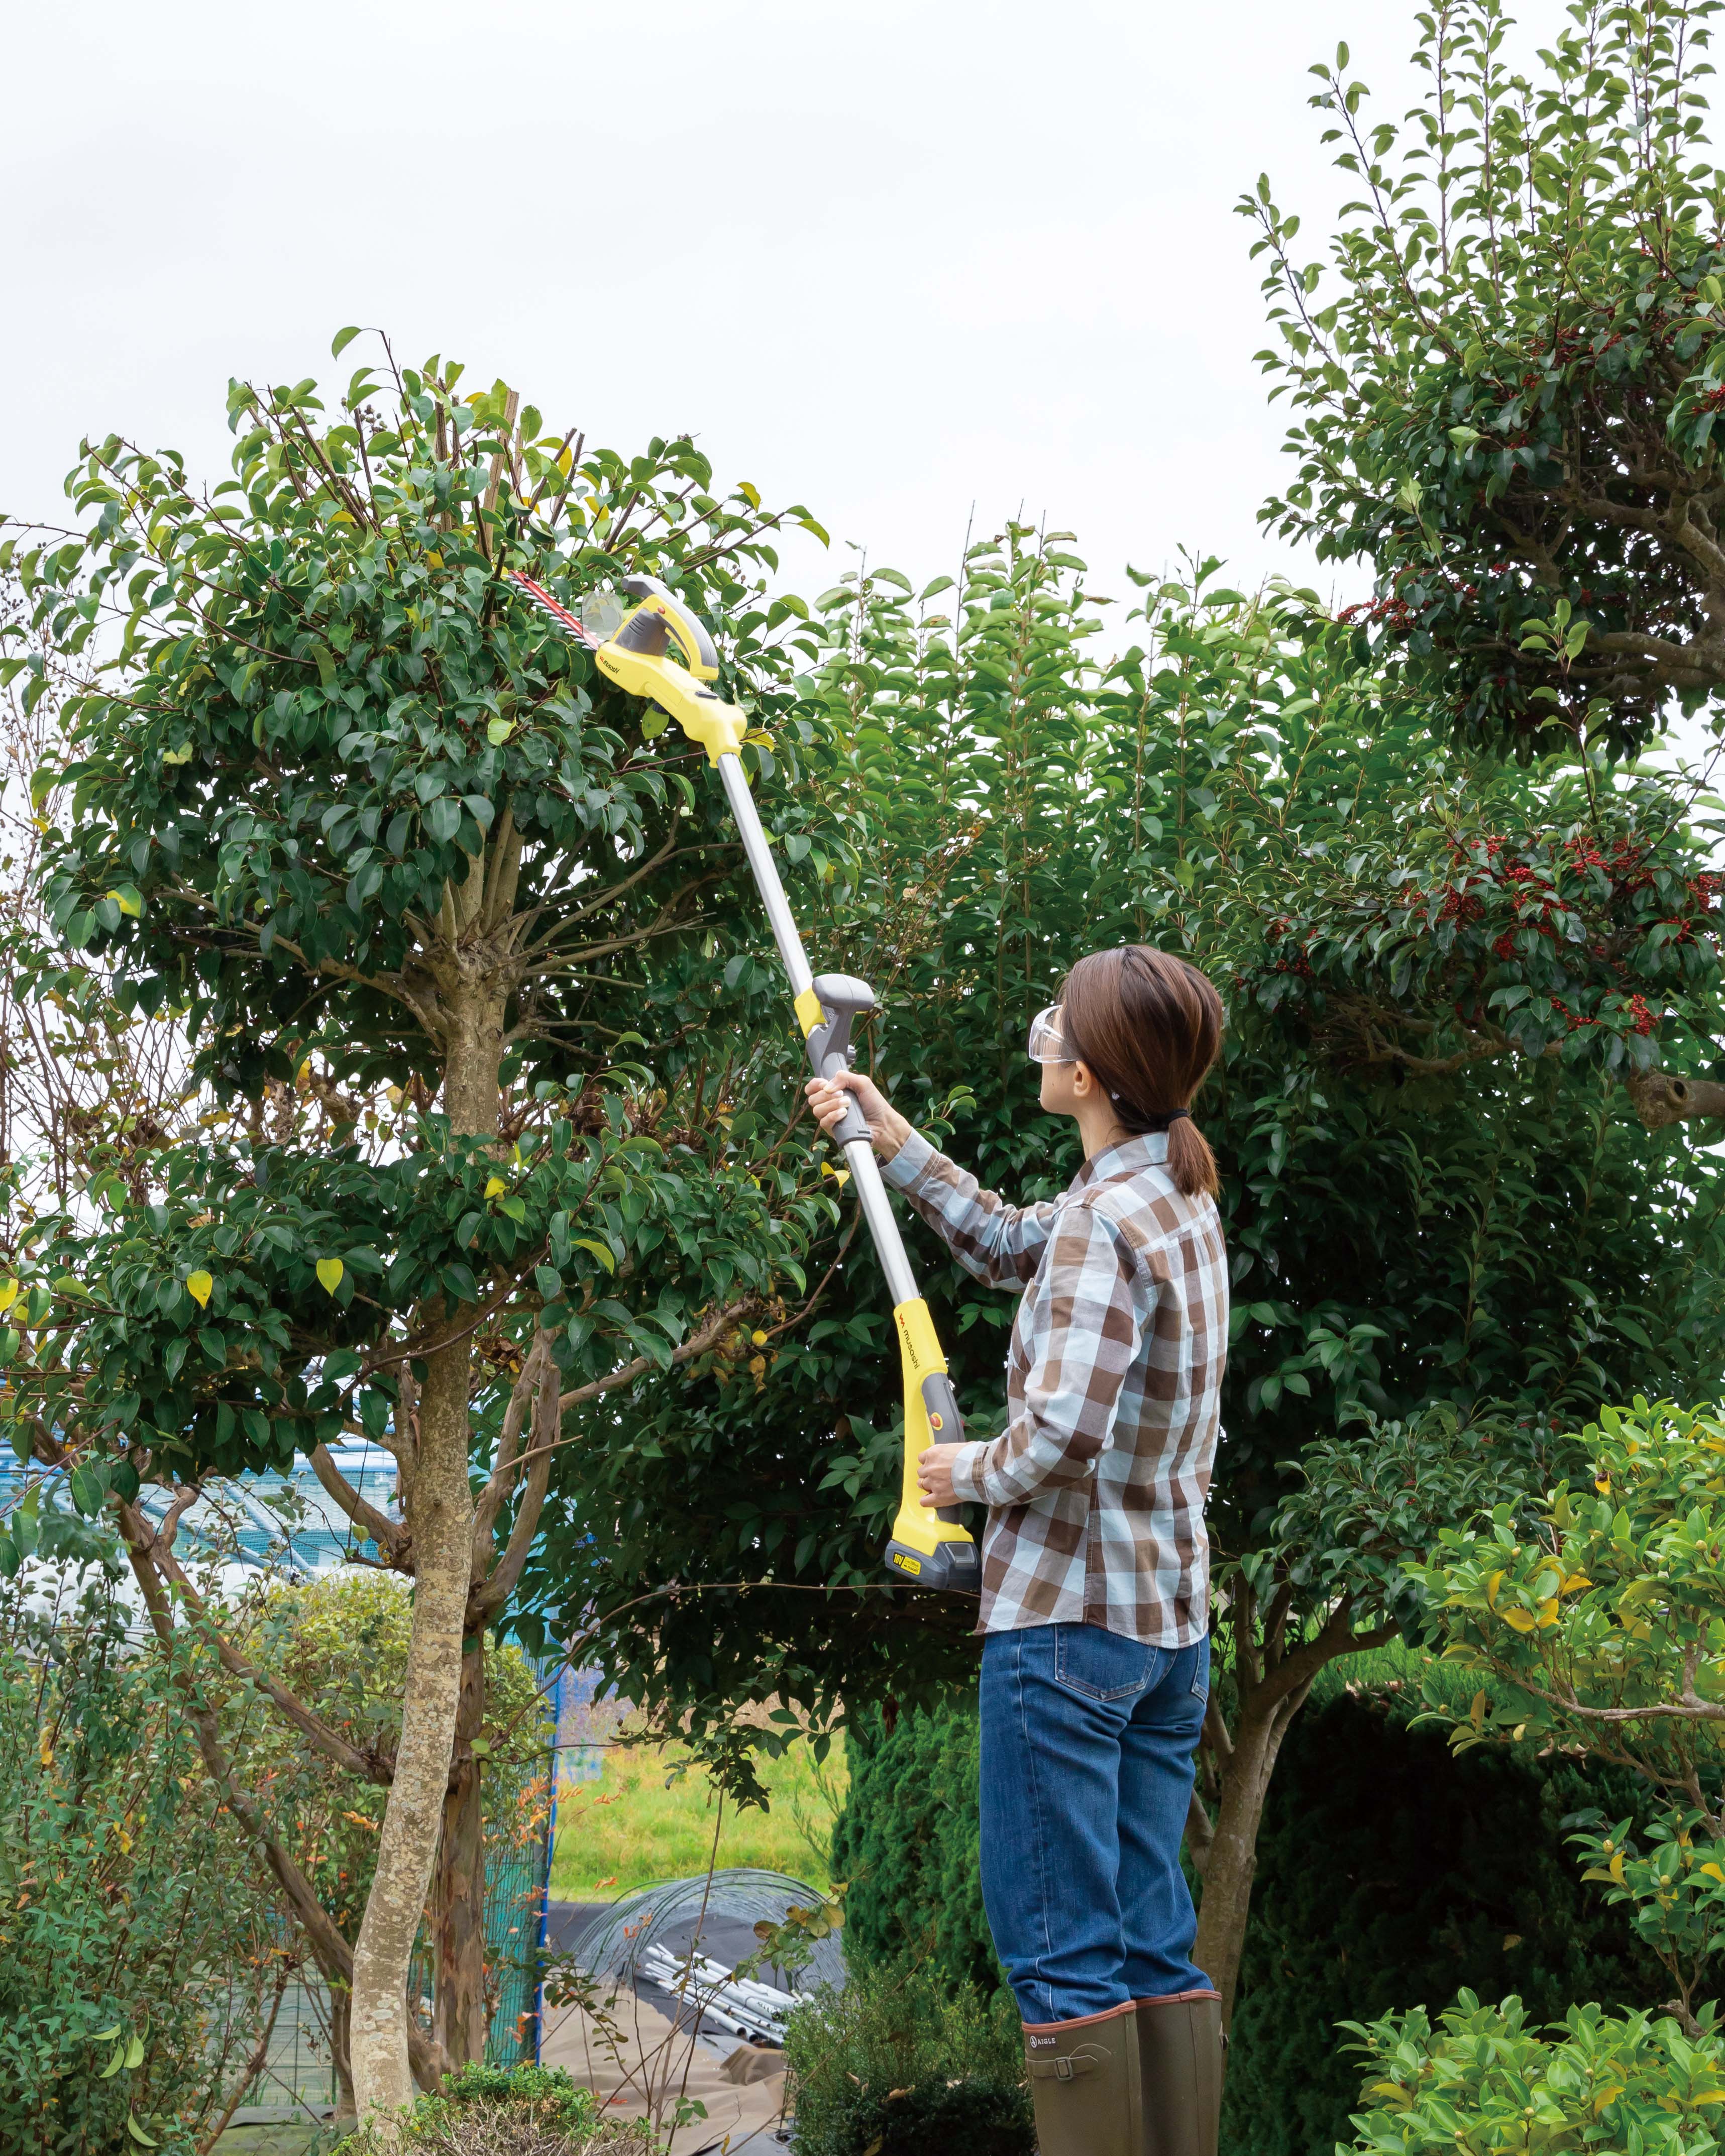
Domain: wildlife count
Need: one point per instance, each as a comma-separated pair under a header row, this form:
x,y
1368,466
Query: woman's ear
x,y
1084,1080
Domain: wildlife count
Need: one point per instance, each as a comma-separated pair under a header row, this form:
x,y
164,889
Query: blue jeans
x,y
1087,1744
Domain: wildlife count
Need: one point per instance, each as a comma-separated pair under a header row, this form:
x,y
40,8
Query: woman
x,y
1096,1589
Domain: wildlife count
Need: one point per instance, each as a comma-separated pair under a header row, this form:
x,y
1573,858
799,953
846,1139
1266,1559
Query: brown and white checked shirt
x,y
1096,1488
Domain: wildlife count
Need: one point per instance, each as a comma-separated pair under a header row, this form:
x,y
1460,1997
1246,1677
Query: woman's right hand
x,y
887,1128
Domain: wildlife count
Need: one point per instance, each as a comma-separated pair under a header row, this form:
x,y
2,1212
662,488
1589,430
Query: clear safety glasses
x,y
1046,1046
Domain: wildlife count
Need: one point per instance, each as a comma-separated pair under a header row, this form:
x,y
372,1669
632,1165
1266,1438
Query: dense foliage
x,y
1600,1626
1389,1876
486,2111
338,804
139,1967
899,2063
1486,2075
1423,1203
1505,389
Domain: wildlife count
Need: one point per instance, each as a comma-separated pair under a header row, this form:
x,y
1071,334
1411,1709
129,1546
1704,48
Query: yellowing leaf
x,y
8,1294
760,1339
1548,1614
198,1286
496,1187
183,754
329,1274
1615,1867
600,1251
1712,1872
1493,1585
1575,1583
498,731
1518,1620
127,900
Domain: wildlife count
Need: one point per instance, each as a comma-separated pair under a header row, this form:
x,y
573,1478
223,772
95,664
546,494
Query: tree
x,y
1505,394
387,849
1433,1253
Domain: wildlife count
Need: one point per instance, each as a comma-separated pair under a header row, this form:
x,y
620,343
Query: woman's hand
x,y
887,1128
934,1474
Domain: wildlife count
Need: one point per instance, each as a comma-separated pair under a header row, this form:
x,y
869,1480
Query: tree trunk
x,y
459,1894
439,1503
1232,1862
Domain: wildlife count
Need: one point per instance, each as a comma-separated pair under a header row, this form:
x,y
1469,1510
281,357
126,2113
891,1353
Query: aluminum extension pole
x,y
858,1151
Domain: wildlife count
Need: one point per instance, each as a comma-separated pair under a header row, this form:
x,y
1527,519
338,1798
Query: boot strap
x,y
1064,2069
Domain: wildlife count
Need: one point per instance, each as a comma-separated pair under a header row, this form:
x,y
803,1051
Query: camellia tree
x,y
341,807
1448,1224
1505,382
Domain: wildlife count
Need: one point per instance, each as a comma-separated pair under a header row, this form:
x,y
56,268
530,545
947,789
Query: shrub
x,y
906,1844
1486,2078
496,2111
900,2063
137,1961
1391,1874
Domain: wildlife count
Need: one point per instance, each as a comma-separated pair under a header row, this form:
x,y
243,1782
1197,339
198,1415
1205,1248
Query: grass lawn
x,y
629,1830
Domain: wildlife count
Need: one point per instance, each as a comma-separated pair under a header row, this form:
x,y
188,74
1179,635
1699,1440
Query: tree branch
x,y
1661,1098
390,1535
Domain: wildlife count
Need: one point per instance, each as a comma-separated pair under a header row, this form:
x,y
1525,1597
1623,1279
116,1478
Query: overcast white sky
x,y
885,259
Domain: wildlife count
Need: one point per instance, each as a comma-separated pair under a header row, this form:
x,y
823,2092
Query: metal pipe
x,y
766,873
859,1154
877,1211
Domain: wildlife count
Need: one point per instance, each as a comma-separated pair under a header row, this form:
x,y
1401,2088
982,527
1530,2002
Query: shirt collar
x,y
1130,1156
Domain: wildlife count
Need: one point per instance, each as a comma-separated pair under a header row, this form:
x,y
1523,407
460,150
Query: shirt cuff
x,y
908,1163
967,1472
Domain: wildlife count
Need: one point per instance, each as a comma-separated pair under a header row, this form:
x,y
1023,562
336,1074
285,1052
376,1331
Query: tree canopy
x,y
1504,384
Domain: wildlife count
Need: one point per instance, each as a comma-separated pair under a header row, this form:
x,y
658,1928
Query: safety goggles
x,y
1046,1045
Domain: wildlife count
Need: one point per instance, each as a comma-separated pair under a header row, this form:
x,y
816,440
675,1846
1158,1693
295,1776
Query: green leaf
x,y
137,2132
342,338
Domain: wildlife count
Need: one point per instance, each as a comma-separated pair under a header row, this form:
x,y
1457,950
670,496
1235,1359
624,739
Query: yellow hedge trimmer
x,y
929,1549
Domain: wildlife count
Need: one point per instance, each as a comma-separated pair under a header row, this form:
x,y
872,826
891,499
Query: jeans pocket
x,y
1201,1670
1100,1664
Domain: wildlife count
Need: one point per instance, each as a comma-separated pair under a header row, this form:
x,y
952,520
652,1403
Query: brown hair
x,y
1148,1026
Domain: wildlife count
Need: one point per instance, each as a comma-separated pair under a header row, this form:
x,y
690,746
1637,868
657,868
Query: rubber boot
x,y
1181,2053
1086,2082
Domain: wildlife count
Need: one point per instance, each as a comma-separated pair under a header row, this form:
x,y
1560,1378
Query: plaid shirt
x,y
1095,1487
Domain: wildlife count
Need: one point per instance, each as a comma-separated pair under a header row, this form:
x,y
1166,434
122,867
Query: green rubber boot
x,y
1181,2052
1086,2082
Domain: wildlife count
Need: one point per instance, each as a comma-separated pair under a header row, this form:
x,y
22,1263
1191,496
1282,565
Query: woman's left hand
x,y
934,1472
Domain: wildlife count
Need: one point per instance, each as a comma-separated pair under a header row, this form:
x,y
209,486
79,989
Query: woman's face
x,y
1066,1086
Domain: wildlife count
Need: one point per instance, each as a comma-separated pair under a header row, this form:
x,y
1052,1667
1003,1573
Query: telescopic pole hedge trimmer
x,y
928,1549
